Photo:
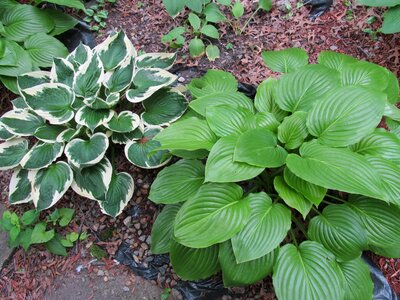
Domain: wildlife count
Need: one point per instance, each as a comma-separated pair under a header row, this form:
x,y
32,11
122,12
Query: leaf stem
x,y
335,198
300,226
249,19
316,210
113,158
328,202
293,237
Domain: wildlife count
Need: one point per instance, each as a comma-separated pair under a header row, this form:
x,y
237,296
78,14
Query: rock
x,y
125,289
181,79
333,48
100,273
148,240
105,279
144,246
127,221
142,238
137,226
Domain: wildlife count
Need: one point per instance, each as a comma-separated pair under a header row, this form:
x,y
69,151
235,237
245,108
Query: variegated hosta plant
x,y
297,183
70,123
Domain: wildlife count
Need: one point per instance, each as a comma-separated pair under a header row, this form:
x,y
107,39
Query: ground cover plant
x,y
97,14
78,118
391,18
297,183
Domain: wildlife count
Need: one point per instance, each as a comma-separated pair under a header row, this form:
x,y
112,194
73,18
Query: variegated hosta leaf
x,y
62,71
31,79
50,184
239,274
217,206
156,60
264,100
125,122
70,133
163,107
293,130
125,138
142,152
51,101
88,79
119,192
358,282
79,56
21,122
120,78
12,152
93,118
267,227
41,155
85,153
49,133
178,182
114,50
93,182
5,135
98,102
307,272
20,189
148,81
19,103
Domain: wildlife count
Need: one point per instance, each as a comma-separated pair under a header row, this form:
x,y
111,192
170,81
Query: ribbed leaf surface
x,y
285,61
213,81
293,130
358,283
391,20
264,100
12,152
366,74
334,60
41,155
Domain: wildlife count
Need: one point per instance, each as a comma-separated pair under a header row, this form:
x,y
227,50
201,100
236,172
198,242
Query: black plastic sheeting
x,y
318,7
81,33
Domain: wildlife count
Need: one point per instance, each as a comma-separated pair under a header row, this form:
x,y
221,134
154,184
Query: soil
x,y
38,274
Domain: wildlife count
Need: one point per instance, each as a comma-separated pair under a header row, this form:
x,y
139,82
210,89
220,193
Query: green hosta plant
x,y
27,40
391,18
296,183
97,14
71,120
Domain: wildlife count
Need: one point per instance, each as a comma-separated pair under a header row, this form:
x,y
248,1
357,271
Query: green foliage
x,y
391,17
28,230
307,141
97,14
27,40
77,115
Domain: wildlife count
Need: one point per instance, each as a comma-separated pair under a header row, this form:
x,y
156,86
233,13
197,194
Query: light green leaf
x,y
69,3
126,121
267,121
213,13
196,6
335,60
40,235
213,81
21,122
93,118
365,74
285,61
210,31
174,7
293,130
41,155
55,246
264,100
237,9
380,3
20,189
391,23
62,21
194,21
12,152
358,284
196,47
23,63
212,52
265,4
29,217
88,78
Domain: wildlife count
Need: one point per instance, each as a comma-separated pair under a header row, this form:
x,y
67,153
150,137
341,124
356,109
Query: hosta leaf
x,y
196,47
177,183
391,23
49,133
19,103
10,83
156,60
365,74
119,192
21,122
380,3
217,206
392,112
62,21
5,135
225,120
343,170
41,155
358,284
32,79
194,264
212,52
20,189
264,100
23,63
267,121
300,90
50,184
124,138
394,126
126,121
40,235
291,197
62,71
93,118
340,230
93,182
335,60
189,134
148,81
196,6
174,7
196,154
307,272
392,90
293,130
258,147
79,56
86,153
51,101
240,274
267,227
70,3
213,13
12,152
311,192
221,167
70,133
344,117
163,229
163,107
98,103
214,81
391,251
210,31
120,78
285,61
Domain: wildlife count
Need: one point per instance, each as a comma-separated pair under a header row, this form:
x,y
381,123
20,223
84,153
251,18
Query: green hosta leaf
x,y
194,264
266,229
119,192
212,52
265,4
258,147
293,130
66,215
120,78
344,170
196,6
49,133
21,122
29,217
86,153
69,3
23,63
380,3
93,182
365,74
174,7
217,206
225,120
20,189
32,79
163,107
196,47
51,101
177,183
163,229
50,184
41,155
79,56
93,118
392,251
311,192
394,126
358,283
56,247
148,81
221,167
335,60
196,154
88,78
189,134
42,48
62,21
210,31
345,116
146,153
194,21
264,100
62,71
12,152
10,83
285,61
213,13
291,197
340,230
391,23
156,60
267,121
391,111
40,235
240,274
314,273
300,90
237,9
214,81
125,122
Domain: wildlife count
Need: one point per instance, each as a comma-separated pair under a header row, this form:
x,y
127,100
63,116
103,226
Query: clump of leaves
x,y
391,18
79,115
28,230
297,183
97,14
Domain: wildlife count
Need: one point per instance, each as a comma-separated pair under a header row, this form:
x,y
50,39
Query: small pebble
x,y
125,289
100,273
105,279
127,221
181,79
